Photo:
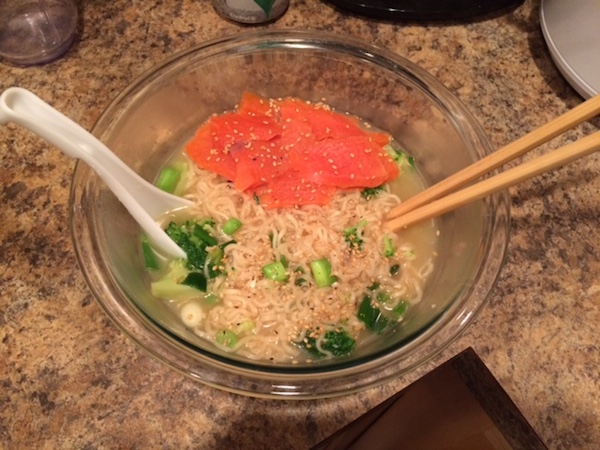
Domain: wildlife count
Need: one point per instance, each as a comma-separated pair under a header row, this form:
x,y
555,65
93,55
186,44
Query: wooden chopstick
x,y
529,169
585,111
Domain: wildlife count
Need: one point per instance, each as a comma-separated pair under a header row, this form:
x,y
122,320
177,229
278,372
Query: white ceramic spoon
x,y
144,201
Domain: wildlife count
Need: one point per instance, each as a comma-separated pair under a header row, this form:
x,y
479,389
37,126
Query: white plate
x,y
572,31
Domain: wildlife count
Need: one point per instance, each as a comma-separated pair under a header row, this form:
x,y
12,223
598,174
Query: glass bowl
x,y
162,109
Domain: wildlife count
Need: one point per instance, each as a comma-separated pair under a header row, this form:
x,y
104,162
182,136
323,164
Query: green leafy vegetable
x,y
353,235
184,235
372,316
374,286
369,193
196,280
299,273
338,342
379,309
185,278
196,240
389,249
170,285
300,282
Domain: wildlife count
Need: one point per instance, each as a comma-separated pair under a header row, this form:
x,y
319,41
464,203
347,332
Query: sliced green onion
x,y
246,325
321,270
231,226
400,158
227,338
192,314
168,179
383,297
149,256
275,271
400,309
215,256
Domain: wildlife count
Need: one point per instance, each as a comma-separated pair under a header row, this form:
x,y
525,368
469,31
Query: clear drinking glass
x,y
36,31
251,11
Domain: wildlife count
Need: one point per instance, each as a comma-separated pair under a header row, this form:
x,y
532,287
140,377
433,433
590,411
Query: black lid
x,y
424,9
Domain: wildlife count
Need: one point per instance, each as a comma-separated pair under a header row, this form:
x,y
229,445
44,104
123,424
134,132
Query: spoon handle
x,y
144,201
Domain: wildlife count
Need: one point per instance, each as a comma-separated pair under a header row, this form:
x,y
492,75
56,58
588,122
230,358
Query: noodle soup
x,y
297,284
270,319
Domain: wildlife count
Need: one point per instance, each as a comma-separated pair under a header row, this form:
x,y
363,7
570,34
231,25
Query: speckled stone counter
x,y
70,379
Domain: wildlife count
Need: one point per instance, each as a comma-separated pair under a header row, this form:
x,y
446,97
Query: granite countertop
x,y
70,379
